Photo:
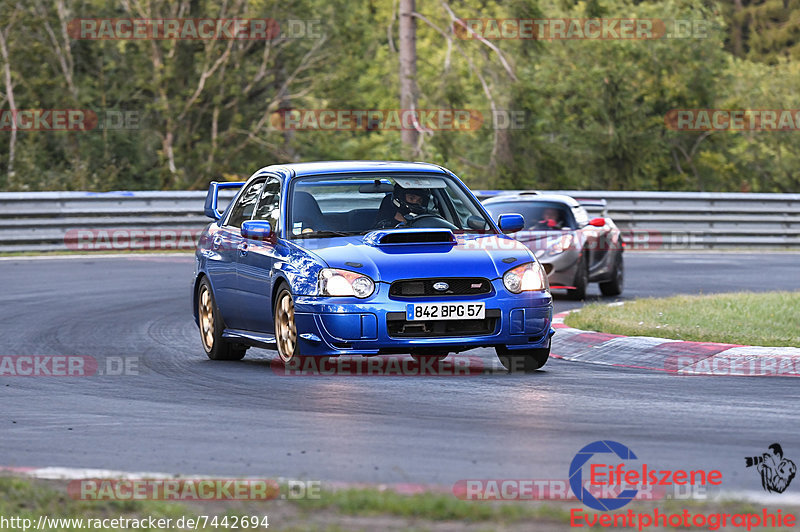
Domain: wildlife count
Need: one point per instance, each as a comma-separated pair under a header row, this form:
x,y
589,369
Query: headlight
x,y
563,243
333,282
525,278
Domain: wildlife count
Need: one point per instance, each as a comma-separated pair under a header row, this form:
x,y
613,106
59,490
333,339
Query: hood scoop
x,y
394,237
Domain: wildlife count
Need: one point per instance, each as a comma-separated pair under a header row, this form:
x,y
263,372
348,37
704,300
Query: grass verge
x,y
348,509
430,506
339,510
747,318
26,499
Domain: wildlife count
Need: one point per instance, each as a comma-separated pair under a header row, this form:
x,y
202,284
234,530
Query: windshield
x,y
538,215
329,206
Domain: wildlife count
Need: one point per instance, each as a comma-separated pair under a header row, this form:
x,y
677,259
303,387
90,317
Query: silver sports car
x,y
574,249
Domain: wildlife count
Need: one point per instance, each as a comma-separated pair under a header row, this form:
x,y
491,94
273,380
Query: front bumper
x,y
563,267
376,325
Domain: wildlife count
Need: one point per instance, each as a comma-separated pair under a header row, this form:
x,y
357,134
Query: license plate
x,y
446,311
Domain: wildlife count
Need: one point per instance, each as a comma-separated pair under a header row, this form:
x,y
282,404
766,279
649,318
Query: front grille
x,y
457,286
398,327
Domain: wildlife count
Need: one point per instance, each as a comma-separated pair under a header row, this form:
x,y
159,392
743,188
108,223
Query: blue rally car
x,y
366,258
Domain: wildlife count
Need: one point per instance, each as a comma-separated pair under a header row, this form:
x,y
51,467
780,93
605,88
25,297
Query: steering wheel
x,y
434,220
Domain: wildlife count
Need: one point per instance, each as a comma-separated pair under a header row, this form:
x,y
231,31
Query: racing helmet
x,y
410,209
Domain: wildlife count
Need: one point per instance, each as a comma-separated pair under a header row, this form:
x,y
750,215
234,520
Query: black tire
x,y
581,281
522,360
211,326
613,287
285,327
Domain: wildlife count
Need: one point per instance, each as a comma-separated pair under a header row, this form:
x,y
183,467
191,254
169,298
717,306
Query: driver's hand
x,y
386,224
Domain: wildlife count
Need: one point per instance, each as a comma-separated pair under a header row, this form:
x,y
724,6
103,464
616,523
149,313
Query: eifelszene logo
x,y
610,472
776,471
603,504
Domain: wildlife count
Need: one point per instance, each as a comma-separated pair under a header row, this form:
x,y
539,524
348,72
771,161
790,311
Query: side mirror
x,y
511,223
477,223
597,222
256,230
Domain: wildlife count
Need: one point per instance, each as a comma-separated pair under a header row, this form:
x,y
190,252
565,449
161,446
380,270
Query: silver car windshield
x,y
328,206
538,215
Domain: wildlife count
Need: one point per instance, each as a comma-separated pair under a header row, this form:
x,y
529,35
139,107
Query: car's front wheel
x,y
522,360
581,281
286,337
212,326
285,328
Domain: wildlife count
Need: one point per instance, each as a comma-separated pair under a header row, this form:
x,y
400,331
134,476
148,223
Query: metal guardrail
x,y
90,221
85,221
699,220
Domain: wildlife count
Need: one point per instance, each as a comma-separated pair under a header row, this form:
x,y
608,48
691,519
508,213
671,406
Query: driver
x,y
551,219
407,204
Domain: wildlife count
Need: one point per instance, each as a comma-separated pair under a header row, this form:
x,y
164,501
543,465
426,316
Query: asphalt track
x,y
185,414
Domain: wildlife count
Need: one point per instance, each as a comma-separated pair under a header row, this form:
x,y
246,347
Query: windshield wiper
x,y
325,234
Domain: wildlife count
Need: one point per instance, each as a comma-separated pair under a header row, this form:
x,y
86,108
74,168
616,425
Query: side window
x,y
243,210
269,206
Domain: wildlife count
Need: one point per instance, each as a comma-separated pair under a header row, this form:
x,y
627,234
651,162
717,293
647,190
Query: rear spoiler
x,y
211,209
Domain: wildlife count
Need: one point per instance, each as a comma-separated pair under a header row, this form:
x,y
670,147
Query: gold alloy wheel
x,y
206,313
285,329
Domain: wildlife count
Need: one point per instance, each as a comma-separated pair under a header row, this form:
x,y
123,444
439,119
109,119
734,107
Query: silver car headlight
x,y
342,283
525,278
562,243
